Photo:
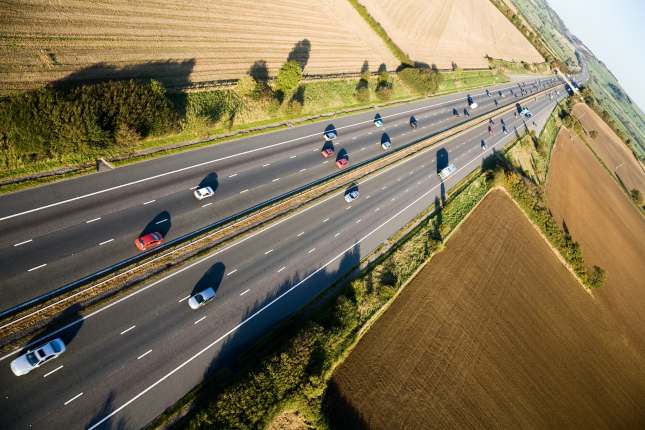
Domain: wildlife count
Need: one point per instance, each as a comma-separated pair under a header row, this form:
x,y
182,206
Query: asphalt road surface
x,y
58,233
127,362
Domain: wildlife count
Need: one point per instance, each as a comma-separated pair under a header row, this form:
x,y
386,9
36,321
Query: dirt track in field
x,y
42,41
608,227
493,333
611,150
442,31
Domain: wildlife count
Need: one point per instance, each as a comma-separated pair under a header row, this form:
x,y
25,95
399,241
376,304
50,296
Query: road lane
x,y
67,245
101,361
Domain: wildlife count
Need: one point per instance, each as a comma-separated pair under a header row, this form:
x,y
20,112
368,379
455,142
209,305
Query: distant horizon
x,y
625,20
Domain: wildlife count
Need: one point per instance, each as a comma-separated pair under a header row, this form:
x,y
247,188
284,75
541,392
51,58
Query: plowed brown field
x,y
442,31
611,150
42,41
493,333
608,227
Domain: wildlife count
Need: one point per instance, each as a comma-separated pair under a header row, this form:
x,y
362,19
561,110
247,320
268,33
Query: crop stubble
x,y
493,333
42,41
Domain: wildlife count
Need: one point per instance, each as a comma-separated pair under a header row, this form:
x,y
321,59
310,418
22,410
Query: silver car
x,y
351,196
204,192
37,357
201,298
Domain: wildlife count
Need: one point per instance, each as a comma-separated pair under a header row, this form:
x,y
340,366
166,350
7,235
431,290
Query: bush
x,y
593,134
422,81
245,86
363,90
636,196
288,78
84,120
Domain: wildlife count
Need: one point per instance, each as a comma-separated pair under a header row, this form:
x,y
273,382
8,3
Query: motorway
x,y
55,234
128,361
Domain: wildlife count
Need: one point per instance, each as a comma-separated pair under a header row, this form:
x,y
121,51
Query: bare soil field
x,y
611,150
608,227
442,31
494,332
177,42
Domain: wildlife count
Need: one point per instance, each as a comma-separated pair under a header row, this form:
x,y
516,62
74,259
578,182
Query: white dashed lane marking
x,y
22,243
106,242
127,330
92,220
148,202
73,398
146,353
231,272
37,267
245,291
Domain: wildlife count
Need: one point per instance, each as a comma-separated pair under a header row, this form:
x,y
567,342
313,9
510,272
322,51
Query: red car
x,y
148,241
327,152
342,162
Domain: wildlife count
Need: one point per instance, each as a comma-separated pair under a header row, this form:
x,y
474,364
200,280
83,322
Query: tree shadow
x,y
340,411
365,68
258,341
259,72
210,180
161,224
106,409
382,68
211,279
300,53
170,73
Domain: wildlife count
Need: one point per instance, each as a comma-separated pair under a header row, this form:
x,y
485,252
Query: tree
x,y
593,134
288,78
636,196
597,277
245,86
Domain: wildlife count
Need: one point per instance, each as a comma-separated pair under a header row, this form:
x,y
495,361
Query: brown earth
x,y
42,41
442,31
610,230
493,333
611,150
289,420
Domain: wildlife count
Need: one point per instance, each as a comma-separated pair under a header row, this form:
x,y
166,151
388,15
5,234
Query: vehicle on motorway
x,y
351,195
330,134
471,102
149,241
413,122
455,112
488,93
526,113
327,152
342,162
491,121
201,298
504,129
490,130
203,192
378,120
447,171
36,357
501,94
386,143
483,145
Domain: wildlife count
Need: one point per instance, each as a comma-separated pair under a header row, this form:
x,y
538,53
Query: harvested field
x,y
179,42
608,227
493,333
612,151
442,31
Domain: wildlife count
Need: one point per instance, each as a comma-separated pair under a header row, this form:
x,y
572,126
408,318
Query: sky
x,y
614,30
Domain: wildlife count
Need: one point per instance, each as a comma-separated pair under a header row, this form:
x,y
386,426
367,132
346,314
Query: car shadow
x,y
210,180
65,326
328,144
212,278
442,159
160,224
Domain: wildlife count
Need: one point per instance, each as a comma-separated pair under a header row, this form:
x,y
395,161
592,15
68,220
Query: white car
x,y
201,298
329,135
204,192
37,357
447,171
526,113
471,102
351,196
386,144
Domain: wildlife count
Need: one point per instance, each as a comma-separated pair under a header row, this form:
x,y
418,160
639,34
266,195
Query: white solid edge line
x,y
55,370
73,398
263,308
134,293
205,163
